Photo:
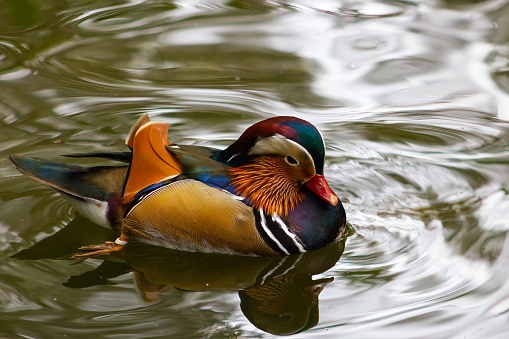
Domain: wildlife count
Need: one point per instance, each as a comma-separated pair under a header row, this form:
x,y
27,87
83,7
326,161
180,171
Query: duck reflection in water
x,y
277,294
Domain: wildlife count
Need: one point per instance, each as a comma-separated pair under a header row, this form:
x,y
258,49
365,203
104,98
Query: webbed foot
x,y
106,248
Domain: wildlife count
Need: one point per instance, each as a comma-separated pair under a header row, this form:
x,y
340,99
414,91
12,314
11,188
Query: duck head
x,y
276,162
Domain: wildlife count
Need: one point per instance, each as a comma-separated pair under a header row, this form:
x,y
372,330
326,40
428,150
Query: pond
x,y
410,96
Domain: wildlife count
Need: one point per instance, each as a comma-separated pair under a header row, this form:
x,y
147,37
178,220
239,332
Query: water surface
x,y
412,100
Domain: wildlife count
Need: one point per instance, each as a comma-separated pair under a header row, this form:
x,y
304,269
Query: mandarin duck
x,y
264,195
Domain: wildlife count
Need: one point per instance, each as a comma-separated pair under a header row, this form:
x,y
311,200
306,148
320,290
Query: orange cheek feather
x,y
268,185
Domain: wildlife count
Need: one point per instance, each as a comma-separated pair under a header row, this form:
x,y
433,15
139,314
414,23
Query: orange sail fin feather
x,y
151,161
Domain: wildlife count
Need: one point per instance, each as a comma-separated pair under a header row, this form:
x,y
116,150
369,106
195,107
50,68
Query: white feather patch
x,y
92,209
279,145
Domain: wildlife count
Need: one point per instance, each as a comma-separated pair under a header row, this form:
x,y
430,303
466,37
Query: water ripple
x,y
11,55
411,97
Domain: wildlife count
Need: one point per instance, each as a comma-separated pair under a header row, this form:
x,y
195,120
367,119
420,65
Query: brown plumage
x,y
269,183
182,215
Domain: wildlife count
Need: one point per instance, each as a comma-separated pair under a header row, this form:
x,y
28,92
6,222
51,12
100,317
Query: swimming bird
x,y
264,195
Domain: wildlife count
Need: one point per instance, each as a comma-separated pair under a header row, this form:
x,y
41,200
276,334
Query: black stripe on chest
x,y
277,234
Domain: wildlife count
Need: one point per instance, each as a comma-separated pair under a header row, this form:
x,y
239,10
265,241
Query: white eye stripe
x,y
278,144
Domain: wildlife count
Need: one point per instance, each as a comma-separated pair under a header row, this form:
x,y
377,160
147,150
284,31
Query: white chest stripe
x,y
269,233
292,236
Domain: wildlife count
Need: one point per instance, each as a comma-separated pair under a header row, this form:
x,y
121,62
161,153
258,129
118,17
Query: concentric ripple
x,y
411,98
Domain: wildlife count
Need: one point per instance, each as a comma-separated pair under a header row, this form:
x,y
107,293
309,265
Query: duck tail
x,y
98,183
89,189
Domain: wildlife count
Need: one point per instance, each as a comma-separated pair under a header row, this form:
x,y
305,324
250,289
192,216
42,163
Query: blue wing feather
x,y
62,177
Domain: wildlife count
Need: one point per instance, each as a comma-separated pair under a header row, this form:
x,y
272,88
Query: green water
x,y
410,96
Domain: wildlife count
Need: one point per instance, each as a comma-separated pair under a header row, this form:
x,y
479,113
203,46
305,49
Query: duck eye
x,y
291,160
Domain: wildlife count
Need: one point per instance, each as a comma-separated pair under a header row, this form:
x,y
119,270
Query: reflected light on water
x,y
411,98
